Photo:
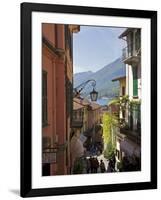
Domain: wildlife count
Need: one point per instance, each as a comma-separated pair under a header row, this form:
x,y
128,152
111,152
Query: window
x,y
69,96
135,82
46,142
123,91
44,99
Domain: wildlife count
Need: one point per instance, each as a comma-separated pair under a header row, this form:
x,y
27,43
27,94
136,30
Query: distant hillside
x,y
81,77
103,78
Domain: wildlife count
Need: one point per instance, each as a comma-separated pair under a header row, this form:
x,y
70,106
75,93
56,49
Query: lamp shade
x,y
93,95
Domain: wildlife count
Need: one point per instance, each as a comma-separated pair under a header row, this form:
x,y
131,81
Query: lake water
x,y
103,101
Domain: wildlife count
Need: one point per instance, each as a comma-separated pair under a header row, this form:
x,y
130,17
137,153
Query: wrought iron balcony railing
x,y
131,51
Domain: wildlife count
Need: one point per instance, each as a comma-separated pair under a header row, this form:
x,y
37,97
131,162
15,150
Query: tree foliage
x,y
108,127
107,122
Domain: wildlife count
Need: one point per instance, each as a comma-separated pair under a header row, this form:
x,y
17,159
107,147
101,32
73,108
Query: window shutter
x,y
135,82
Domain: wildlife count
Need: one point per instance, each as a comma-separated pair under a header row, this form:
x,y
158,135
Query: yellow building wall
x,y
122,84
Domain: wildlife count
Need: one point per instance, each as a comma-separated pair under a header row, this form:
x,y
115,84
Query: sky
x,y
94,47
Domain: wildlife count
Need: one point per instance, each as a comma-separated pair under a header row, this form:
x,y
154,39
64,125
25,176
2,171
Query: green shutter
x,y
135,82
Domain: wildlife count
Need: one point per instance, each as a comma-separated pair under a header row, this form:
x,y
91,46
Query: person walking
x,y
113,162
91,164
88,165
110,164
77,152
102,166
95,165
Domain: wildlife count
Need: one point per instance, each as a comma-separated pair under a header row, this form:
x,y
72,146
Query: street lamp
x,y
94,95
79,88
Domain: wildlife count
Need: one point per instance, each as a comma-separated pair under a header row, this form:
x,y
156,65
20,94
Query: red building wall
x,y
57,62
54,65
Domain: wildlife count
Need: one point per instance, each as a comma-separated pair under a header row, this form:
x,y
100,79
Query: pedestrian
x,y
77,149
91,164
111,165
102,166
113,161
95,165
88,165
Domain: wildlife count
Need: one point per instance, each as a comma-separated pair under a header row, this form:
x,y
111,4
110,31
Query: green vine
x,y
135,102
109,122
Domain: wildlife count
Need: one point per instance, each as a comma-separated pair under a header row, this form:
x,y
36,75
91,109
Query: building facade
x,y
129,137
57,71
86,120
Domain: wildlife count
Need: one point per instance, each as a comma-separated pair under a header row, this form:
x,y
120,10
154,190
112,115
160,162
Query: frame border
x,y
26,104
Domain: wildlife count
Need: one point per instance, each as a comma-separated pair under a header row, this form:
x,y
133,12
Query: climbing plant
x,y
108,136
107,128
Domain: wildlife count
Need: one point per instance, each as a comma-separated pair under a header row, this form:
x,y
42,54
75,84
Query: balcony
x,y
131,54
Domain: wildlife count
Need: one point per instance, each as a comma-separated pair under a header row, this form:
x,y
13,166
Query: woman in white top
x,y
76,147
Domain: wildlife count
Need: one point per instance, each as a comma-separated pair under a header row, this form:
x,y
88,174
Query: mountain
x,y
81,77
103,78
